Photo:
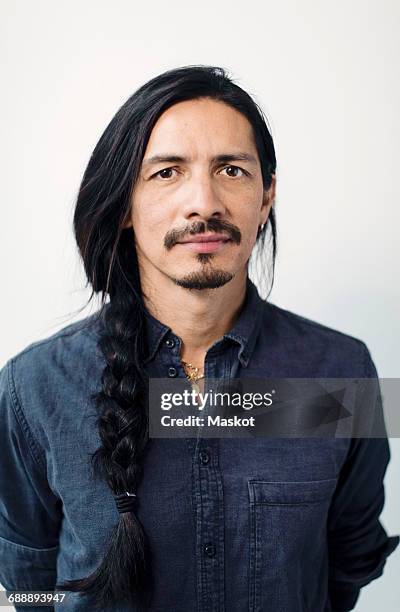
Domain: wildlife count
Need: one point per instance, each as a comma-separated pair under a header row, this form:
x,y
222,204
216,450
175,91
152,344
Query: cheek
x,y
248,220
149,220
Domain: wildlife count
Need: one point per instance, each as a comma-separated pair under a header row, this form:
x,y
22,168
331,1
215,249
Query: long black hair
x,y
109,258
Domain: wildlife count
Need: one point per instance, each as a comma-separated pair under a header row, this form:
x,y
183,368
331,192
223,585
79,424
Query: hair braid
x,y
123,431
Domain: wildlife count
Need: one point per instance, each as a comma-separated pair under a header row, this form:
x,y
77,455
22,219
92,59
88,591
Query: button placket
x,y
208,491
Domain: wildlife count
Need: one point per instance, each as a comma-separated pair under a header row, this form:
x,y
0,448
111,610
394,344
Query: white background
x,y
327,76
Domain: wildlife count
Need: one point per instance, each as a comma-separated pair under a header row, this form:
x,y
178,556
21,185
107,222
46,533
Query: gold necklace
x,y
192,374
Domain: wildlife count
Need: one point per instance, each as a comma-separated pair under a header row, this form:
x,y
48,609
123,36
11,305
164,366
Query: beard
x,y
207,278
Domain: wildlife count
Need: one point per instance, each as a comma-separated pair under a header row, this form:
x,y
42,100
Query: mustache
x,y
202,227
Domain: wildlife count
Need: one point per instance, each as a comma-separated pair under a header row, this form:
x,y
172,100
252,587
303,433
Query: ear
x,y
268,200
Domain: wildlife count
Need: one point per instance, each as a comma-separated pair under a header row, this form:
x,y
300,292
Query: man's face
x,y
200,178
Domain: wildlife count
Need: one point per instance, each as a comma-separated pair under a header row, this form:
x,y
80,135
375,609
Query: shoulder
x,y
46,388
295,325
49,384
330,350
67,353
82,331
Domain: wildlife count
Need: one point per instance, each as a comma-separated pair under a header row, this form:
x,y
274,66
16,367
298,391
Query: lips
x,y
206,238
206,243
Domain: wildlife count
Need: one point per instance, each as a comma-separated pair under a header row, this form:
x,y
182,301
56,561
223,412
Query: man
x,y
177,193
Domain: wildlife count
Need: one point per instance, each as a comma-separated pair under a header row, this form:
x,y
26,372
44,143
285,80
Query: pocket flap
x,y
296,492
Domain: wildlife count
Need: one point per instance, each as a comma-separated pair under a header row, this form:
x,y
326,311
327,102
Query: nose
x,y
202,199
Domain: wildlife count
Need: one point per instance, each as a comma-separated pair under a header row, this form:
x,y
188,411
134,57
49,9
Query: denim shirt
x,y
257,525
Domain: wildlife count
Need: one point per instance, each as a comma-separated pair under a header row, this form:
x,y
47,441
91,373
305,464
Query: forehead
x,y
201,125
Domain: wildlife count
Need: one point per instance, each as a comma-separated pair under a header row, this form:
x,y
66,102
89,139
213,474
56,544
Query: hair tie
x,y
125,502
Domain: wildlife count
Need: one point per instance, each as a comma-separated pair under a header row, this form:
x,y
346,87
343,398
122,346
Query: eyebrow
x,y
223,159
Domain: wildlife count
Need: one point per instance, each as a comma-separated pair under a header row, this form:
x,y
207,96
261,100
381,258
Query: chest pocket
x,y
288,560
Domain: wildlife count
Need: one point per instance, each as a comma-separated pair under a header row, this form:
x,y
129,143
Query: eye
x,y
165,173
233,171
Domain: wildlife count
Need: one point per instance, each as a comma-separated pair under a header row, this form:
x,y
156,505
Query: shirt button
x,y
172,372
210,550
170,343
204,457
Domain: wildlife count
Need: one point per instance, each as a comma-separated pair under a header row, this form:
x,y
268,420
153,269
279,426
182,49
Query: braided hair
x,y
109,258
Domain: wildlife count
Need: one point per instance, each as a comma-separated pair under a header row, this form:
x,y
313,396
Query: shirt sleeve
x,y
358,544
30,512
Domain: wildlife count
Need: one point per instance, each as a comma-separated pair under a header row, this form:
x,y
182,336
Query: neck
x,y
204,316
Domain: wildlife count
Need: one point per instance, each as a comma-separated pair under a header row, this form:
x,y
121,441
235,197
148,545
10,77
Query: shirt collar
x,y
244,331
